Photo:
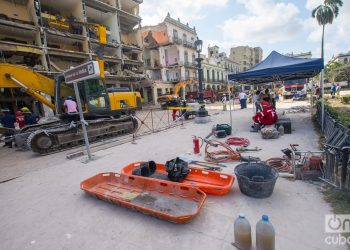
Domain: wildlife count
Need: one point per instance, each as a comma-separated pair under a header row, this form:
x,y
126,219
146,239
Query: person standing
x,y
30,118
8,121
333,90
257,101
243,99
338,90
20,119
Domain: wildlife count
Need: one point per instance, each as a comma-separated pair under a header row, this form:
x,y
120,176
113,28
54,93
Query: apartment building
x,y
169,56
220,58
50,36
246,56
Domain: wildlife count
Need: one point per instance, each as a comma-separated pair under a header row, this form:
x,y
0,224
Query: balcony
x,y
101,6
177,40
190,64
174,65
149,65
20,47
127,20
188,44
10,23
67,53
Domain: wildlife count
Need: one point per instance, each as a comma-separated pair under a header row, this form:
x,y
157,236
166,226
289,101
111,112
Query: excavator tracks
x,y
58,138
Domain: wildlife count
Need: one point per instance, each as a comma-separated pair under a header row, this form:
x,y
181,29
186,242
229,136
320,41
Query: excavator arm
x,y
14,76
180,85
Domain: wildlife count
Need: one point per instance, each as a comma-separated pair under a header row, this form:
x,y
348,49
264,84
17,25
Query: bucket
x,y
256,179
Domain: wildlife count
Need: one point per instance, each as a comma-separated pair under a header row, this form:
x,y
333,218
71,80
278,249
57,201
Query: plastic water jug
x,y
243,236
265,234
281,130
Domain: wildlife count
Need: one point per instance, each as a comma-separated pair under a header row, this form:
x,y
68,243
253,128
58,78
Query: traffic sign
x,y
82,72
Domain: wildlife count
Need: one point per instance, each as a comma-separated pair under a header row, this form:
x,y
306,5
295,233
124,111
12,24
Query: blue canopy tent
x,y
277,67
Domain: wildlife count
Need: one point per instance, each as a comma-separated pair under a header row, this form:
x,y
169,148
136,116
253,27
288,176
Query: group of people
x,y
335,89
10,122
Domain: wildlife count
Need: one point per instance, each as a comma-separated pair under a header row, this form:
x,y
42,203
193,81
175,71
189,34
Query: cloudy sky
x,y
282,25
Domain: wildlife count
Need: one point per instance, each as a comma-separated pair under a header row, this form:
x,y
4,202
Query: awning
x,y
277,67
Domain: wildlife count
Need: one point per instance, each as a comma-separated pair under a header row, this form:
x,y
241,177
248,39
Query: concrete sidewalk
x,y
45,208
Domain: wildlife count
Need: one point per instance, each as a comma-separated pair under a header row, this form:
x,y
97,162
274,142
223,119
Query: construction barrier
x,y
155,120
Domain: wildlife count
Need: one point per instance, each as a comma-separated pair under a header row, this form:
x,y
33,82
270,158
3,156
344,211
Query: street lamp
x,y
198,44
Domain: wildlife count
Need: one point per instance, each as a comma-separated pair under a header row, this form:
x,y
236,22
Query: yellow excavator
x,y
166,99
108,114
36,84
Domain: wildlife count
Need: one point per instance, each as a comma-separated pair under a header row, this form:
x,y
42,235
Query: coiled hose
x,y
238,141
282,165
223,155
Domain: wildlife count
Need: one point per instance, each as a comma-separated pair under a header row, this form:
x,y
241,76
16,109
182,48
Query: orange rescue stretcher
x,y
174,202
210,182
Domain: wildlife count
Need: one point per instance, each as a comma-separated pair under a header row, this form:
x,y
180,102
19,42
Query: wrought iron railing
x,y
337,168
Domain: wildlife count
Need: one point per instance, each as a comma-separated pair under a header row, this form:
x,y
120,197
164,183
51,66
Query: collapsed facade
x,y
169,55
51,36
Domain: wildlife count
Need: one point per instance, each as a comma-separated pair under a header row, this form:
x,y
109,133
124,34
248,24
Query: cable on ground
x,y
238,141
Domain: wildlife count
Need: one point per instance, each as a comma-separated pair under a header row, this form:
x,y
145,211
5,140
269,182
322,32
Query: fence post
x,y
344,166
152,121
133,139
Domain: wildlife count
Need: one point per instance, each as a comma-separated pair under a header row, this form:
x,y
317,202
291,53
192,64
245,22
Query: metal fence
x,y
154,120
337,168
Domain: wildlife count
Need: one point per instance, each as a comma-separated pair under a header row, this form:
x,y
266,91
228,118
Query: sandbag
x,y
269,133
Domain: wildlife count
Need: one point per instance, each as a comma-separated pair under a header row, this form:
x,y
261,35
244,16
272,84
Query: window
x,y
218,76
208,75
187,74
96,94
186,57
213,75
184,37
193,58
192,38
175,35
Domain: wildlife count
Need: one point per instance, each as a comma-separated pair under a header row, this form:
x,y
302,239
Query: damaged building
x,y
169,55
50,36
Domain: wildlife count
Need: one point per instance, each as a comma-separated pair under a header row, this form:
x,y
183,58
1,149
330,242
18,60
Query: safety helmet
x,y
69,98
25,109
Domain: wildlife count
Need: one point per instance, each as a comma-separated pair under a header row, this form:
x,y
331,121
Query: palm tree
x,y
325,14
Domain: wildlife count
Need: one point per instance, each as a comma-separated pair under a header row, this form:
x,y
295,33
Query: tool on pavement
x,y
245,149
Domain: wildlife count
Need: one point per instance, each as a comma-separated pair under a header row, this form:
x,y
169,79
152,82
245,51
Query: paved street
x,y
44,208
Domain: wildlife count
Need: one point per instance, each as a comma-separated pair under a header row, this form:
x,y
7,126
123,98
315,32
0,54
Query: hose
x,y
223,155
237,141
282,165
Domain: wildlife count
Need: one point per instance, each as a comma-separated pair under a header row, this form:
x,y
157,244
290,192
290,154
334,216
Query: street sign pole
x,y
85,71
82,121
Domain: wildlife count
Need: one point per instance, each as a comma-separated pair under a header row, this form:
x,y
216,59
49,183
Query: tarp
x,y
277,67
